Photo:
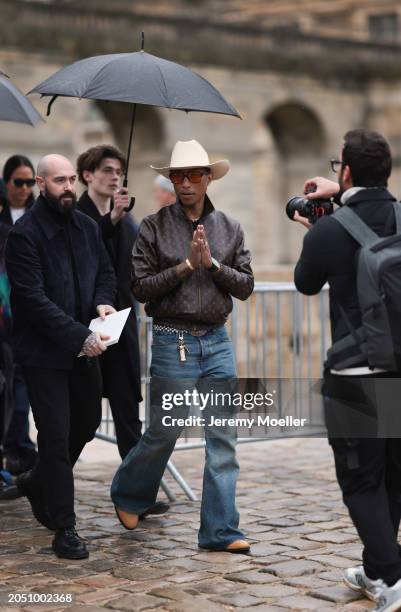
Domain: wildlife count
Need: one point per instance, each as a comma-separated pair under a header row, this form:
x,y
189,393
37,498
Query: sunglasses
x,y
19,182
194,176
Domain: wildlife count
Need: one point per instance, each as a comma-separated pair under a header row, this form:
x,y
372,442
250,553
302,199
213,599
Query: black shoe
x,y
35,497
20,462
68,545
157,508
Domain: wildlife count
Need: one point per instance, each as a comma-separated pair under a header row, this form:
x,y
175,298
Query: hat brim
x,y
217,169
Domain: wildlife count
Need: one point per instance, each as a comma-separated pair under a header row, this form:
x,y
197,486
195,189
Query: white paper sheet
x,y
111,326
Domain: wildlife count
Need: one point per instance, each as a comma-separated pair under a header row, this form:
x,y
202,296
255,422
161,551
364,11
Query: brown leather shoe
x,y
127,519
238,546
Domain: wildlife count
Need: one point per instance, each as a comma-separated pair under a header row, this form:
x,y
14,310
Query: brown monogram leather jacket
x,y
203,299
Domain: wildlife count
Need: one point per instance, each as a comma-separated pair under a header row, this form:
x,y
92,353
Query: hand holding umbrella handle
x,y
131,205
132,200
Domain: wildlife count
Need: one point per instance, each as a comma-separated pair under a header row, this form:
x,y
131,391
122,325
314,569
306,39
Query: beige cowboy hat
x,y
191,154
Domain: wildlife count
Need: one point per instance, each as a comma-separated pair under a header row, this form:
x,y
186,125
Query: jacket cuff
x,y
103,298
79,338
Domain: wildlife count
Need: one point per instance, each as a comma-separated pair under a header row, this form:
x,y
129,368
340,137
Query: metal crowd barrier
x,y
277,333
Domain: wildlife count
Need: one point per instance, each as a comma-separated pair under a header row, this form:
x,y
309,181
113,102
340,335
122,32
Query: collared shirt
x,y
17,213
349,193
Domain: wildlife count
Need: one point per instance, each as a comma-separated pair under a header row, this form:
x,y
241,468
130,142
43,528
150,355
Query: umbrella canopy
x,y
139,78
14,106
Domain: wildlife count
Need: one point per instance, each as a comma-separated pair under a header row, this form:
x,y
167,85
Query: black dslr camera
x,y
312,209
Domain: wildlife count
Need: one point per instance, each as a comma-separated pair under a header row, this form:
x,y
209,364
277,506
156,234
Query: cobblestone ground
x,y
290,508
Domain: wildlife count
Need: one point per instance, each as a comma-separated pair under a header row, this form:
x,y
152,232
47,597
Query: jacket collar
x,y
48,221
349,193
370,194
86,202
207,209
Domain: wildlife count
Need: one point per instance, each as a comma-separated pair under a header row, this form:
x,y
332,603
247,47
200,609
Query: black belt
x,y
194,331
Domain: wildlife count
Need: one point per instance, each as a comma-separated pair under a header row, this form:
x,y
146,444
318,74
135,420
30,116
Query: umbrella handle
x,y
131,205
132,200
49,106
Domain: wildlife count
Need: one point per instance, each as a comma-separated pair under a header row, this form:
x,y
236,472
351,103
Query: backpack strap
x,y
397,214
354,225
338,355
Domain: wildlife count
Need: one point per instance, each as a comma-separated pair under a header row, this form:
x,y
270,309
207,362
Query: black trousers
x,y
120,389
18,432
368,471
66,406
6,393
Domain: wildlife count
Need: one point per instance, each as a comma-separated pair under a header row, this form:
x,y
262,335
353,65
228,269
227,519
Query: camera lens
x,y
299,204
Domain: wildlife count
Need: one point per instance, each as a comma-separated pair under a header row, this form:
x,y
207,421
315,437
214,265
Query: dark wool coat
x,y
119,240
43,289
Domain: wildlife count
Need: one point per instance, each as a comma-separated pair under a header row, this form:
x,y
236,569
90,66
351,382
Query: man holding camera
x,y
368,468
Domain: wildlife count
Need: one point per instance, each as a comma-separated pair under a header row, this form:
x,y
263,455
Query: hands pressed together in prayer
x,y
199,250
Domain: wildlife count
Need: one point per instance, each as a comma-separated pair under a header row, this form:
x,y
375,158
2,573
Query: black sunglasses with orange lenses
x,y
194,176
20,182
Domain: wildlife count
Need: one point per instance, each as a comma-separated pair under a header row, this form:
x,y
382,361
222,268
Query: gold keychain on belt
x,y
181,346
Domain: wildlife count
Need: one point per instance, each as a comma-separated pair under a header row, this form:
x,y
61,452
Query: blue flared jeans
x,y
209,362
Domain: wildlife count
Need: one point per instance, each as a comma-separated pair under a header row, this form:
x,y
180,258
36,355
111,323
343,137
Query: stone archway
x,y
298,153
296,130
149,138
149,131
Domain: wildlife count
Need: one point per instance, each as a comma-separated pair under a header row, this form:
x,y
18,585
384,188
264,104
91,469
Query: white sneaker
x,y
356,579
389,598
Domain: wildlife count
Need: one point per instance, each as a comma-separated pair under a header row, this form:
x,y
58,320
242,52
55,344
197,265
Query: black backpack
x,y
378,274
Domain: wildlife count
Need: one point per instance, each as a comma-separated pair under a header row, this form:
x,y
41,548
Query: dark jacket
x,y
119,240
329,253
6,223
203,298
3,189
5,307
5,212
43,289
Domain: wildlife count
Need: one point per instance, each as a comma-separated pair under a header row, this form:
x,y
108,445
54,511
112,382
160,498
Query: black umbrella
x,y
14,106
137,78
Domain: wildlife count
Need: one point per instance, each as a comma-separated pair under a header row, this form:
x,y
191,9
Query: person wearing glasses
x,y
368,468
188,261
19,451
19,180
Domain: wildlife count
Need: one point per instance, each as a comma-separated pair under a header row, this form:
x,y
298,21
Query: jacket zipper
x,y
199,293
198,274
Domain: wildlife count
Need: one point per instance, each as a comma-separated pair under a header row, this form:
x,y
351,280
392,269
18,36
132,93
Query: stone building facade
x,y
360,19
297,87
